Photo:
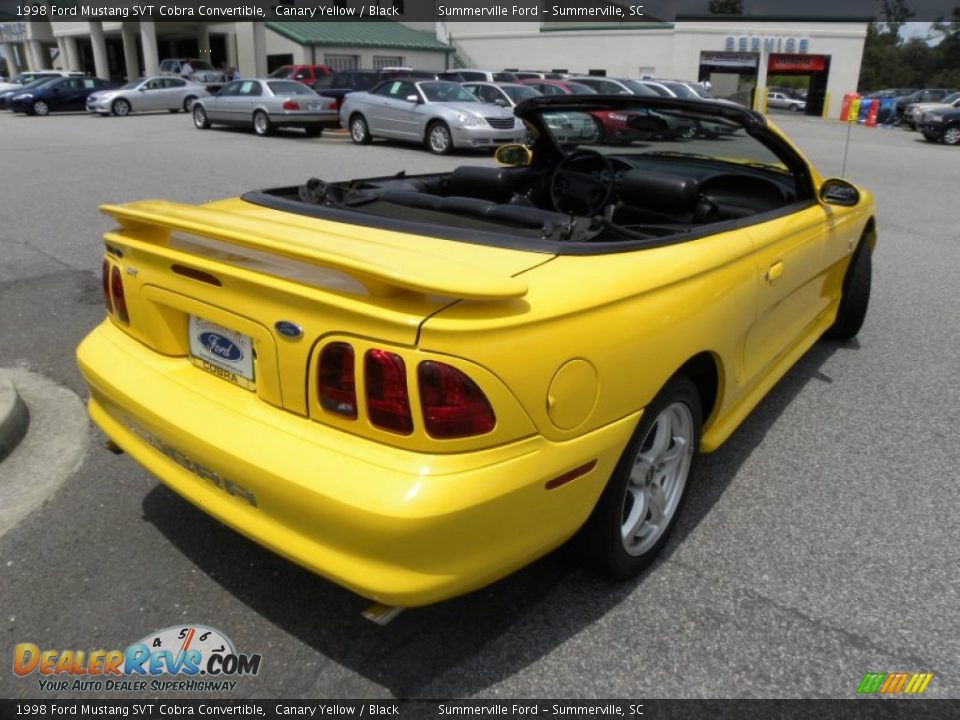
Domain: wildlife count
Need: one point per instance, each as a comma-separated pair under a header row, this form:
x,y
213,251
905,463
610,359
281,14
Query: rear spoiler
x,y
383,269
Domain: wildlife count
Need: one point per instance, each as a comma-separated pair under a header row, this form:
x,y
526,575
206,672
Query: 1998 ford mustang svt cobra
x,y
414,385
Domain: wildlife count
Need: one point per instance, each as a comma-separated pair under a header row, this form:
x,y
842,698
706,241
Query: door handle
x,y
774,272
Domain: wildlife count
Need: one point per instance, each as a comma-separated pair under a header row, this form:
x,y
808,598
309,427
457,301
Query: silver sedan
x,y
145,94
266,104
442,115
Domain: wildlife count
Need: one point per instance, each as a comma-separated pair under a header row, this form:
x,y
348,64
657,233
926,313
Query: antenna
x,y
846,148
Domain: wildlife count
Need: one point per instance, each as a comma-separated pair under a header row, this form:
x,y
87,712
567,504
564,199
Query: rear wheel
x,y
120,107
359,131
200,118
638,509
40,108
261,124
188,103
855,295
951,136
438,139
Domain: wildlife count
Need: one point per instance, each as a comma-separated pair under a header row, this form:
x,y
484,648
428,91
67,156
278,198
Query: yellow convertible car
x,y
414,385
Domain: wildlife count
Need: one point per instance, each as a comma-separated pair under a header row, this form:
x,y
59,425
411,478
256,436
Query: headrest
x,y
669,194
489,183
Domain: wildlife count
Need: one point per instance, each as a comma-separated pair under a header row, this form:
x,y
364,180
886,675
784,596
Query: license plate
x,y
222,352
315,106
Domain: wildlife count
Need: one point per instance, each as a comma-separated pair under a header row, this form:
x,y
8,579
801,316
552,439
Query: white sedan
x,y
146,94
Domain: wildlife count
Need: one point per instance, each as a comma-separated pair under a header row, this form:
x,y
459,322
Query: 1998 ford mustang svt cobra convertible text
x,y
414,385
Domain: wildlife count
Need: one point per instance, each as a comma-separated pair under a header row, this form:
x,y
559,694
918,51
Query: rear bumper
x,y
400,527
325,119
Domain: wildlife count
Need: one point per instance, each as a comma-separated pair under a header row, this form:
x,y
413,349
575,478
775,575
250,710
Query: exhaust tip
x,y
382,614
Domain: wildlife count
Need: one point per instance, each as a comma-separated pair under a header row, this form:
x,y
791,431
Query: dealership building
x,y
735,56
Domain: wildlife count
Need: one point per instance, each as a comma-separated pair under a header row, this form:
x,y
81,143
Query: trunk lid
x,y
278,283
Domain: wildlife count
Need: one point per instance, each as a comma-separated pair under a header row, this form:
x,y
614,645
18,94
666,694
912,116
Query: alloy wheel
x,y
657,479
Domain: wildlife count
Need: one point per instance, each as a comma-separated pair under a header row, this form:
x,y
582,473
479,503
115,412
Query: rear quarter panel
x,y
633,317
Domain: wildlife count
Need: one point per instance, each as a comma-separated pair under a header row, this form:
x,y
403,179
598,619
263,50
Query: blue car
x,y
7,95
69,93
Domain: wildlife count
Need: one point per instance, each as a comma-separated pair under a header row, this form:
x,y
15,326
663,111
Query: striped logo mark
x,y
894,683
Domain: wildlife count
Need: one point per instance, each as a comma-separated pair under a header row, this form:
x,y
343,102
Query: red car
x,y
615,128
307,74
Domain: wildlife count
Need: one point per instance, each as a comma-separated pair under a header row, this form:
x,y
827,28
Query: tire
x,y
359,130
855,295
120,108
313,132
439,140
39,107
188,103
951,136
622,536
261,124
794,108
200,118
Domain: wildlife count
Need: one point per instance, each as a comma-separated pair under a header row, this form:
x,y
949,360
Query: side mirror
x,y
142,88
835,191
413,98
513,155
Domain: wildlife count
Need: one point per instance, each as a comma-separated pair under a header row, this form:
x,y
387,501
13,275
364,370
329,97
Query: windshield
x,y
282,72
580,89
951,98
639,88
38,83
289,87
635,131
132,84
519,92
446,92
681,90
200,65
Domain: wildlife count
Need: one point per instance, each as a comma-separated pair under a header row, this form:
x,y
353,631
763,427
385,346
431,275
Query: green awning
x,y
387,35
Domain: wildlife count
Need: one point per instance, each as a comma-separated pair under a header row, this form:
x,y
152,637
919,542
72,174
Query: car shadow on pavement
x,y
465,645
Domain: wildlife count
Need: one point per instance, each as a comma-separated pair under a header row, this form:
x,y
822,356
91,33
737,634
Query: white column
x,y
37,53
61,46
252,49
12,69
73,54
99,42
151,56
231,42
130,59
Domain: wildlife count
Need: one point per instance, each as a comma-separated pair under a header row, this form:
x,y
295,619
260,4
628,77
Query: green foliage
x,y
889,61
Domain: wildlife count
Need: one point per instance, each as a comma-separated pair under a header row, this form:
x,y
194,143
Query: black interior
x,y
625,198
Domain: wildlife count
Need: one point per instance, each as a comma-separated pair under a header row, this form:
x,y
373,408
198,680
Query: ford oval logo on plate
x,y
220,346
288,329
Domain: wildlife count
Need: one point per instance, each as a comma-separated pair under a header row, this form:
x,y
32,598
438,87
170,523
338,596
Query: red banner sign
x,y
796,63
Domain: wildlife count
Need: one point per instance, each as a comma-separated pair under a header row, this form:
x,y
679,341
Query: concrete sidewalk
x,y
14,416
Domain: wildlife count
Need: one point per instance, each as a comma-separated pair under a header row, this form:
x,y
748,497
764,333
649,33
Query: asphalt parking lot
x,y
818,544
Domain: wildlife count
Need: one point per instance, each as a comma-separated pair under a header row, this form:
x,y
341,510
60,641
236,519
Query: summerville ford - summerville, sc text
x,y
612,12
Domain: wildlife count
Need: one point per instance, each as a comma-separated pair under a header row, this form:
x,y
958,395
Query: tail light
x,y
291,105
106,287
119,299
388,404
338,391
453,405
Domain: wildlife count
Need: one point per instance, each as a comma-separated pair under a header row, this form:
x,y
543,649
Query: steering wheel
x,y
582,183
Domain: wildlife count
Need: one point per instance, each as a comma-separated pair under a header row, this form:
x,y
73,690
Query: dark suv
x,y
347,81
920,96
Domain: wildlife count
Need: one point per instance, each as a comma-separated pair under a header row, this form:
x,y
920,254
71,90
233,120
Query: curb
x,y
14,418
